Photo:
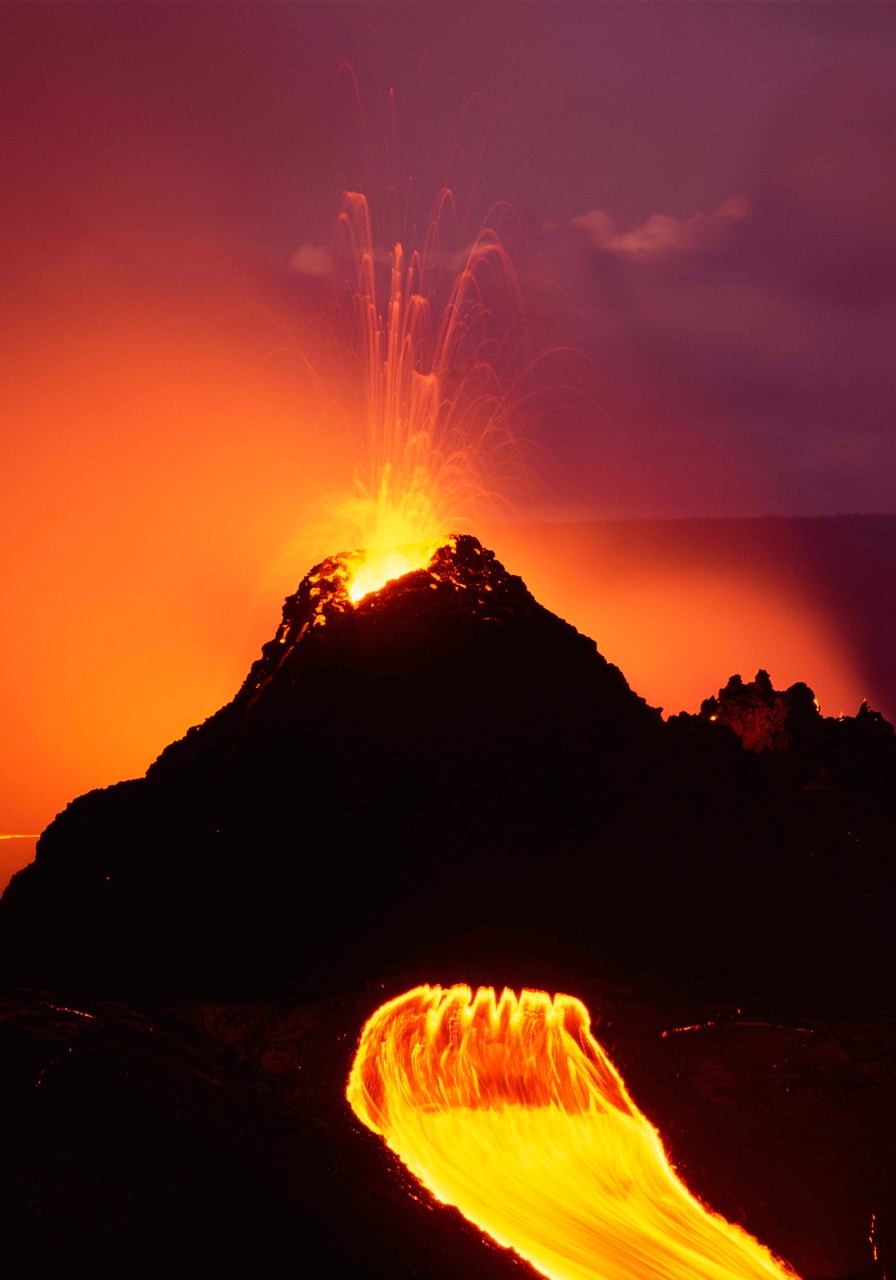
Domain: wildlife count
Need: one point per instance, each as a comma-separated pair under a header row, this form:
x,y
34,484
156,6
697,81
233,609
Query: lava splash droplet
x,y
509,1109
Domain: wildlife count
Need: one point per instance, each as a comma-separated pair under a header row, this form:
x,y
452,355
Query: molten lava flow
x,y
511,1111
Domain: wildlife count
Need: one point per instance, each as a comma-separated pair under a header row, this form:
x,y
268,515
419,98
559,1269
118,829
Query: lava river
x,y
509,1109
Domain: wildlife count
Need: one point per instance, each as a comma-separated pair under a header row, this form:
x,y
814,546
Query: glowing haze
x,y
509,1109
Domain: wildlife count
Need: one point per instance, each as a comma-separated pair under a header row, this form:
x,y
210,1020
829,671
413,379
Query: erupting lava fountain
x,y
433,353
510,1110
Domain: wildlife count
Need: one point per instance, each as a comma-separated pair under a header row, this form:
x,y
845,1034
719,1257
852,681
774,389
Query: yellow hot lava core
x,y
510,1110
398,525
377,566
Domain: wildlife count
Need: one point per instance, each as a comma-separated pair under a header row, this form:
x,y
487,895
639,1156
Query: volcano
x,y
445,779
446,756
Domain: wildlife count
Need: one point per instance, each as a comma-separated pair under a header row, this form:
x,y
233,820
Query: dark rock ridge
x,y
447,756
767,719
763,718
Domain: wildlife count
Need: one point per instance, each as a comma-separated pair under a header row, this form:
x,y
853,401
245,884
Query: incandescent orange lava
x,y
376,568
510,1110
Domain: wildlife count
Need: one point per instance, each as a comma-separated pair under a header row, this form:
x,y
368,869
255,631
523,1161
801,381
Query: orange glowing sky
x,y
168,406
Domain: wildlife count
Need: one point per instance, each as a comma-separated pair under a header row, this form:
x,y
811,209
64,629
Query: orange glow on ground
x,y
510,1110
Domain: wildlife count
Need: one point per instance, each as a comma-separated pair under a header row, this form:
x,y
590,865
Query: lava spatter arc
x,y
433,342
509,1109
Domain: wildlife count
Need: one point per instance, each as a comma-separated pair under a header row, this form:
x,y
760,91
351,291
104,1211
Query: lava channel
x,y
510,1110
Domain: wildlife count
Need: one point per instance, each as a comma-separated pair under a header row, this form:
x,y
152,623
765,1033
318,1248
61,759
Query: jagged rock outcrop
x,y
765,719
790,720
833,775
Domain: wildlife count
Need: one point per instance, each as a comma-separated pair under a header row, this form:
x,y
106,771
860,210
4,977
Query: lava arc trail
x,y
430,350
509,1109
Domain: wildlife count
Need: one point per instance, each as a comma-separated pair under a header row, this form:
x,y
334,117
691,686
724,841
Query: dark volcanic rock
x,y
445,756
765,719
831,785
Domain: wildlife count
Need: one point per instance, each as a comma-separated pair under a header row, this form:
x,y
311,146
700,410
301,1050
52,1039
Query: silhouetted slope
x,y
383,771
448,755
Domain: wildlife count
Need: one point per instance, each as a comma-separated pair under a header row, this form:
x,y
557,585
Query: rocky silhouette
x,y
448,756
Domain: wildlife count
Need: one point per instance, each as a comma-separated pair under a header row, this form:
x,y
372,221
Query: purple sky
x,y
712,187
